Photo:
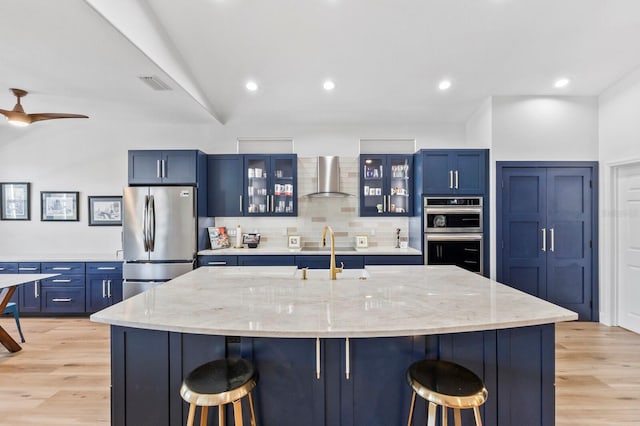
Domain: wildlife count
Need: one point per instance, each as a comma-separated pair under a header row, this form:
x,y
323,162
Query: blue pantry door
x,y
547,234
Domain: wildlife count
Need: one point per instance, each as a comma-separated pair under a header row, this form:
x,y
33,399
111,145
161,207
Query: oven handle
x,y
453,210
453,237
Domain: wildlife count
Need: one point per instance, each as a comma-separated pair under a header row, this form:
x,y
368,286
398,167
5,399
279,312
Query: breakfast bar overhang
x,y
333,352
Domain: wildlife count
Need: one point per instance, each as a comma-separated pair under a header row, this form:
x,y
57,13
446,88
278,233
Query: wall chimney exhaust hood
x,y
328,178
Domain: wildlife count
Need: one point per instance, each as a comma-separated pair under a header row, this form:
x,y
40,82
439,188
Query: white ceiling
x,y
385,56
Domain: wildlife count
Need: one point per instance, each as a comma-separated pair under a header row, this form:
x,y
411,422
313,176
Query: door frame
x,y
611,240
593,165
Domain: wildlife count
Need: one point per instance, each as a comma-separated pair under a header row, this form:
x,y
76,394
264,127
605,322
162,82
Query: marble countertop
x,y
284,251
9,280
61,257
379,301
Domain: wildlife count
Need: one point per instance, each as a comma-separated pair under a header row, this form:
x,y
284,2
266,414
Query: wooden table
x,y
8,285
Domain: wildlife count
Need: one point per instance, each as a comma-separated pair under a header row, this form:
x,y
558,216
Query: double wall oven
x,y
453,232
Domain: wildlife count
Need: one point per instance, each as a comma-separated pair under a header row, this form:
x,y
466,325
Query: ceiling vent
x,y
328,178
154,82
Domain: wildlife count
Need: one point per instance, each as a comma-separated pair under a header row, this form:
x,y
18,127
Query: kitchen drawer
x,y
8,268
104,268
393,260
323,261
63,299
64,281
63,268
28,268
266,260
217,260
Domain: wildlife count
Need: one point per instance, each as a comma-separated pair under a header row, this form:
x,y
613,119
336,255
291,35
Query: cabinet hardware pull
x,y
272,198
1,269
553,240
60,281
164,168
456,186
317,358
61,268
35,289
384,202
104,293
109,288
450,179
65,299
27,268
106,268
347,359
217,263
241,204
544,239
158,168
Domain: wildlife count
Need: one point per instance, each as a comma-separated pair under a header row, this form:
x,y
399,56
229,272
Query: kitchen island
x,y
333,352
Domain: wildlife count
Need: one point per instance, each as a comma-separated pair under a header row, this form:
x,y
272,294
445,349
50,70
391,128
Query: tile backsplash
x,y
314,213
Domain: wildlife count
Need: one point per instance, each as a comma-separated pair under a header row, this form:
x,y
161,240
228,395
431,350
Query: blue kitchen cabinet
x,y
270,185
11,268
168,167
323,261
225,176
64,293
103,285
546,228
393,260
451,171
268,260
30,299
386,185
217,260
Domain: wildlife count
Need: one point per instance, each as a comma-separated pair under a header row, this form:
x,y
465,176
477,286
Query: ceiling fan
x,y
19,118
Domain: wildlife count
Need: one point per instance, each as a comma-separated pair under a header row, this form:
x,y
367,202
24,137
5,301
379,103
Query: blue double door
x,y
547,236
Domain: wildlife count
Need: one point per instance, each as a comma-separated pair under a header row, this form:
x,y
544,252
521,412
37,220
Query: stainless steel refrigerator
x,y
159,235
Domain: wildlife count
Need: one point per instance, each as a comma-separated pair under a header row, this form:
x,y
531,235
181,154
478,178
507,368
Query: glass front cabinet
x,y
386,185
270,185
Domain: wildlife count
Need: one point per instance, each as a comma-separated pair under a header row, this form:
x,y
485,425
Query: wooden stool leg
x,y
204,413
192,414
251,411
221,421
413,404
456,417
431,421
444,416
237,412
476,414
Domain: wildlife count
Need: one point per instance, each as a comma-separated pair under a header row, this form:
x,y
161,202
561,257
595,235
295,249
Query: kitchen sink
x,y
327,249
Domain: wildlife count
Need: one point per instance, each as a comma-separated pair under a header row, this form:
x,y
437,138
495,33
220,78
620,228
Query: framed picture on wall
x,y
14,201
105,210
59,206
293,241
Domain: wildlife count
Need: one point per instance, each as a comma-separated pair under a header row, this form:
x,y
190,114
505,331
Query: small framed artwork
x,y
15,201
59,206
105,210
294,241
362,241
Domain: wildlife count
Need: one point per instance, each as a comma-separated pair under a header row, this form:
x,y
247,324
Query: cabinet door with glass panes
x,y
271,185
386,183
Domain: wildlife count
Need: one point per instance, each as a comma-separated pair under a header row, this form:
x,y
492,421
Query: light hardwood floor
x,y
61,377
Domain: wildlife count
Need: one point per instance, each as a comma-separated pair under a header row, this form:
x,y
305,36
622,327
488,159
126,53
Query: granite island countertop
x,y
387,301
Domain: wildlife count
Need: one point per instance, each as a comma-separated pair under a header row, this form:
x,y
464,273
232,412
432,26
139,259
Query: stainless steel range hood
x,y
328,178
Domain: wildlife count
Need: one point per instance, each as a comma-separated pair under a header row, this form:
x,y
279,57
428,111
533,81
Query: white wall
x,y
90,156
619,135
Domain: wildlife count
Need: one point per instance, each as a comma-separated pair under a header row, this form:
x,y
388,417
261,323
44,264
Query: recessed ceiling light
x,y
561,82
251,86
444,84
329,85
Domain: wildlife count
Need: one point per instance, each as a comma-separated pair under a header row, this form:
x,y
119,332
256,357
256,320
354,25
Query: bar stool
x,y
446,384
12,309
217,383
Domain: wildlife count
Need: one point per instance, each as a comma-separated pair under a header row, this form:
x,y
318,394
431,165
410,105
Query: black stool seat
x,y
217,383
446,384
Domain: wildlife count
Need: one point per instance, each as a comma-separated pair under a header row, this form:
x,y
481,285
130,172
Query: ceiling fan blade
x,y
52,116
16,116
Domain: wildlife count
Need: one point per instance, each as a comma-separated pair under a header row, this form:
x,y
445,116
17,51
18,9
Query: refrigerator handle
x,y
152,223
145,223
